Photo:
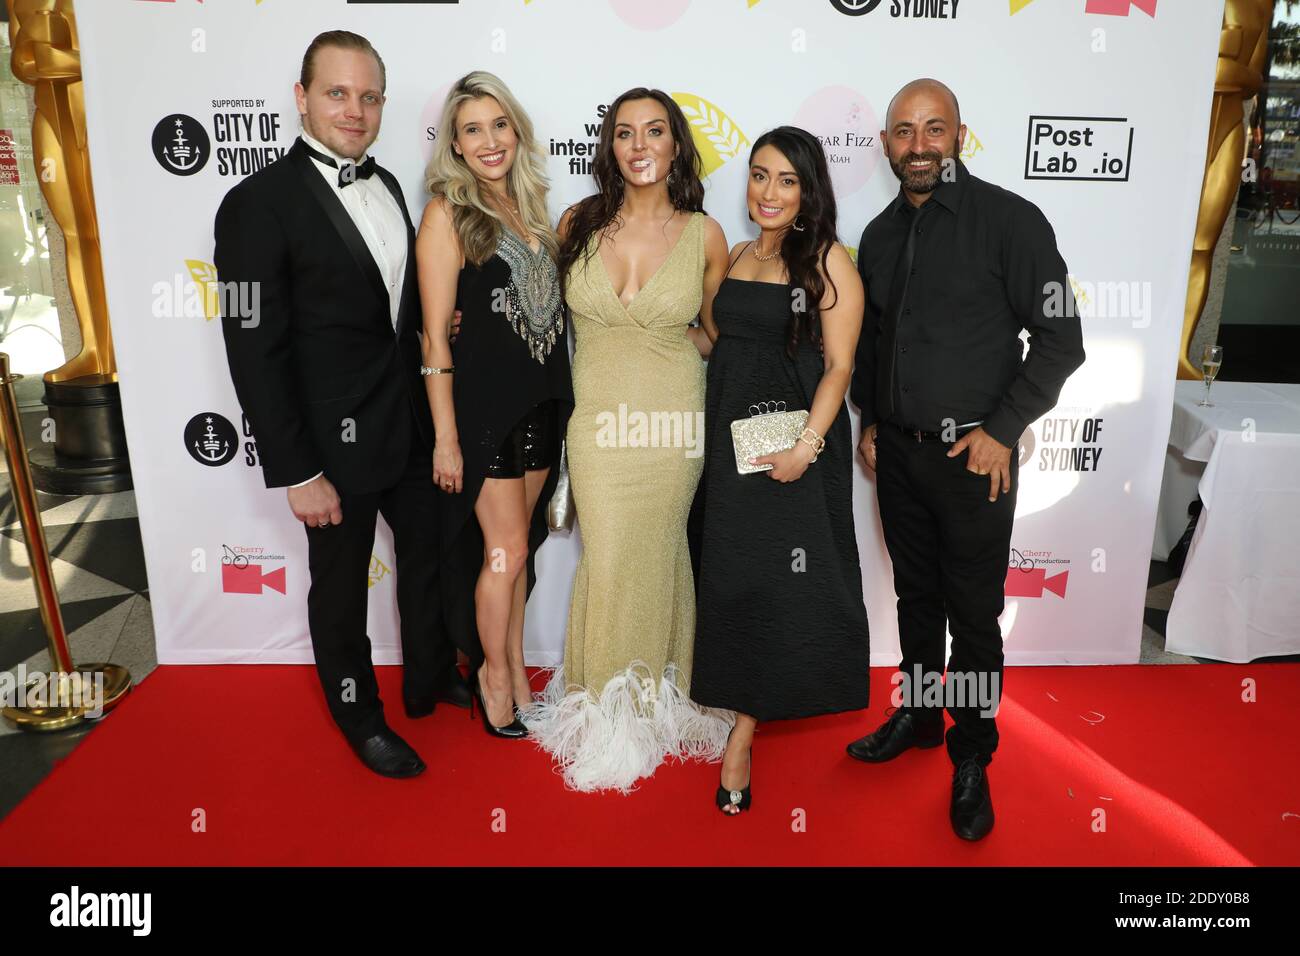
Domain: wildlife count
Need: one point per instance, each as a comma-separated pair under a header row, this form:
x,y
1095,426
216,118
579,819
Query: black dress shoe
x,y
972,806
900,732
453,690
388,755
417,707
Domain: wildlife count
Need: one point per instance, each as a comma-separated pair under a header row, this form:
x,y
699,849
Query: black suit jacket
x,y
325,382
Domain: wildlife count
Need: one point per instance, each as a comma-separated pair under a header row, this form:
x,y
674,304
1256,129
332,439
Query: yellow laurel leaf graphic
x,y
971,146
378,571
1080,294
853,252
716,137
204,275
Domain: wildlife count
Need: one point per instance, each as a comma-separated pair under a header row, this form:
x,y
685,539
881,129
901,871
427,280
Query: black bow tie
x,y
349,172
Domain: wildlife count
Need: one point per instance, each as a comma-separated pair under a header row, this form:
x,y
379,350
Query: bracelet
x,y
426,370
816,443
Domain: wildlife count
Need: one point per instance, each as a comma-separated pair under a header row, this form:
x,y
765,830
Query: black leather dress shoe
x,y
418,707
972,806
388,755
900,732
451,690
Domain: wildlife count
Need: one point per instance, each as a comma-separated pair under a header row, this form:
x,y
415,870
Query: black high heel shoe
x,y
725,798
515,730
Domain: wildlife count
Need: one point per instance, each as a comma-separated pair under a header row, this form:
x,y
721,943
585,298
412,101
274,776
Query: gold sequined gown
x,y
620,705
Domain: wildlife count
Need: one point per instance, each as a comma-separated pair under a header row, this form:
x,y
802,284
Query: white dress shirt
x,y
377,217
379,220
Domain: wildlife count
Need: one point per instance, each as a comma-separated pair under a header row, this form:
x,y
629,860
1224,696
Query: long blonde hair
x,y
478,225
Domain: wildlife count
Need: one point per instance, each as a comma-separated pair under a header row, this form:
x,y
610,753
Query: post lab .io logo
x,y
244,570
1096,149
855,8
181,144
211,439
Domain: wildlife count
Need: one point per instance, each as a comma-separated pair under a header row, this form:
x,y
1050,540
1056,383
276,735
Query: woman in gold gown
x,y
641,262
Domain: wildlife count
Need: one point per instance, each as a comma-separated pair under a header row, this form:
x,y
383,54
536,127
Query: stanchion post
x,y
60,699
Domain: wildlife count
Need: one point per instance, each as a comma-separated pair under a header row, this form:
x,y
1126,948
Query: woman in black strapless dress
x,y
781,628
501,394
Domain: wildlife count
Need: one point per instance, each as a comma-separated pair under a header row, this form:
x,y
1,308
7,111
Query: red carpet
x,y
1186,773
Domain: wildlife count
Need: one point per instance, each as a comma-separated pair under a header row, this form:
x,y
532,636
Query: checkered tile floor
x,y
98,561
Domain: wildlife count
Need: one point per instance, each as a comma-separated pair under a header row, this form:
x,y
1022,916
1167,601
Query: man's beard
x,y
922,181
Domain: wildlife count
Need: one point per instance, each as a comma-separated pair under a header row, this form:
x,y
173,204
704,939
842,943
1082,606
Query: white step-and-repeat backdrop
x,y
1096,110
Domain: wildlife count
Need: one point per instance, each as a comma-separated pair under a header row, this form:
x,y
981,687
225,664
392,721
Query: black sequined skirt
x,y
533,444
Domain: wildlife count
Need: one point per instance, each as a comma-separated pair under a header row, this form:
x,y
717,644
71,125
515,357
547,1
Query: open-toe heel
x,y
725,799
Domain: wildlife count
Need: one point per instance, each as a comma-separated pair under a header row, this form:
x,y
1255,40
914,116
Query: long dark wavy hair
x,y
803,251
597,211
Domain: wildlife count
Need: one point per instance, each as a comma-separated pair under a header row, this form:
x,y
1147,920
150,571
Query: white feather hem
x,y
611,740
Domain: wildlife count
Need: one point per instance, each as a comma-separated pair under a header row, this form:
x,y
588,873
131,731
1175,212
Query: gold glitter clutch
x,y
769,429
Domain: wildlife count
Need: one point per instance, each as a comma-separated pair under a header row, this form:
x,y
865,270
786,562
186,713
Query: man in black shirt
x,y
954,269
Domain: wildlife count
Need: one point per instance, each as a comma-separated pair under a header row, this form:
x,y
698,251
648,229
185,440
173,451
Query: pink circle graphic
x,y
849,130
649,14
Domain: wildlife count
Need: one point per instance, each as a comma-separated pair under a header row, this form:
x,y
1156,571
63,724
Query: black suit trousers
x,y
949,546
339,562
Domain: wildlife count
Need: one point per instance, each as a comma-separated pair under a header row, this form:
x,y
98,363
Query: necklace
x,y
767,258
510,213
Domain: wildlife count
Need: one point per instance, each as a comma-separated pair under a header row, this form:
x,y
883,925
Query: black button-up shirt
x,y
940,341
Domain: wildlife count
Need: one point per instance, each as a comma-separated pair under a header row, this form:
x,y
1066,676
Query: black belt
x,y
921,434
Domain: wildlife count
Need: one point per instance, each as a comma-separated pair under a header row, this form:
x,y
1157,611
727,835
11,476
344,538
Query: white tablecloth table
x,y
1239,595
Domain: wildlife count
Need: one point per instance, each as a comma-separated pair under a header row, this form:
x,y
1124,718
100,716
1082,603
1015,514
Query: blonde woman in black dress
x,y
781,628
502,394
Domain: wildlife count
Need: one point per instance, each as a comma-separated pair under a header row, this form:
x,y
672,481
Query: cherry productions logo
x,y
181,144
243,571
1027,574
211,439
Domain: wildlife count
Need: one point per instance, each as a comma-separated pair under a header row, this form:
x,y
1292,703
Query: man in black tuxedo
x,y
328,372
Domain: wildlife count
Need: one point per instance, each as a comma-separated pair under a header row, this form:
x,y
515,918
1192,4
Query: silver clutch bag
x,y
559,510
768,429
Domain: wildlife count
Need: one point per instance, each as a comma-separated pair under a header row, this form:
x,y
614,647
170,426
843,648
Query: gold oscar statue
x,y
1243,44
89,453
46,54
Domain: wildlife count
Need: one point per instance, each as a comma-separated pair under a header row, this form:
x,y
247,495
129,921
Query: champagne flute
x,y
1211,359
